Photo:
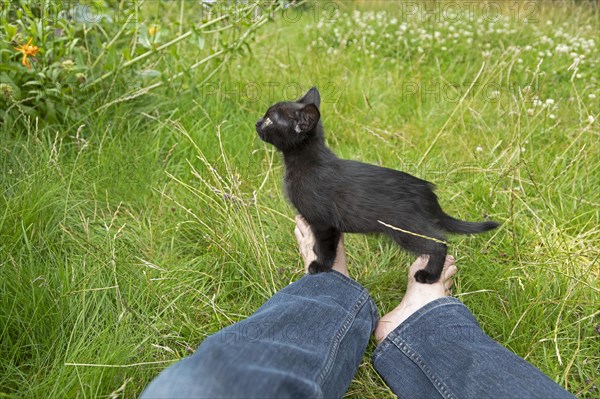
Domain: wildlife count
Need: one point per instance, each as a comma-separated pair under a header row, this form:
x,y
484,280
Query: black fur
x,y
337,195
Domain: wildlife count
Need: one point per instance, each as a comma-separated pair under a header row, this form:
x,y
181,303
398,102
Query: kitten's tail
x,y
462,227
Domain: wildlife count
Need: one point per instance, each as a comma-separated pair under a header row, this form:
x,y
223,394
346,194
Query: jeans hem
x,y
355,284
396,341
412,319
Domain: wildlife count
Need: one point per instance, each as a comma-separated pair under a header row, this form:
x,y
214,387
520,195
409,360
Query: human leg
x,y
305,341
432,346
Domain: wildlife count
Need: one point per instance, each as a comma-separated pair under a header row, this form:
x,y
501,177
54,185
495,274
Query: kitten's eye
x,y
268,122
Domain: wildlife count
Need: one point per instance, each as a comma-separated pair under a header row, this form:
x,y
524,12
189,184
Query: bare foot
x,y
306,242
417,295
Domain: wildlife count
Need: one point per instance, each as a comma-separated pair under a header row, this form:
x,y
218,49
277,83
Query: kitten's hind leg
x,y
425,246
326,242
433,270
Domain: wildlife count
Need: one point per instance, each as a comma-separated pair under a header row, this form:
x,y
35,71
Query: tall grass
x,y
124,245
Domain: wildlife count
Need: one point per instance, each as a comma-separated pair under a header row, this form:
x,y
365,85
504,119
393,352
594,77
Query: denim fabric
x,y
441,352
307,341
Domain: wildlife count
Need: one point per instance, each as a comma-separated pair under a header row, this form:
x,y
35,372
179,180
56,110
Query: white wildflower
x,y
479,148
591,119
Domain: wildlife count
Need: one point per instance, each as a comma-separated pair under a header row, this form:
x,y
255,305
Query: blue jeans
x,y
308,340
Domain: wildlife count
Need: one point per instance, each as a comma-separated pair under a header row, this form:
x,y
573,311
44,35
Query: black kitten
x,y
337,195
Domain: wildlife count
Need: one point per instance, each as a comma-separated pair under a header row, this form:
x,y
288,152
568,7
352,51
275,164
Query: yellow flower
x,y
27,50
152,30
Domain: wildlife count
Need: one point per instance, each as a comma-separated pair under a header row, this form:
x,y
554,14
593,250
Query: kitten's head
x,y
288,124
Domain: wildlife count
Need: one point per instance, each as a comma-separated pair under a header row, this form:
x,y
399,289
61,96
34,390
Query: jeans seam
x,y
446,301
380,349
442,388
347,280
360,302
358,287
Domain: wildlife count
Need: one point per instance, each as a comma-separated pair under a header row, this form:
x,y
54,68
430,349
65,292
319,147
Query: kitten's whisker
x,y
413,233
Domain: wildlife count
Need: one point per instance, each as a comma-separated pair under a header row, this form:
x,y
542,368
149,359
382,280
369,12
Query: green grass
x,y
125,245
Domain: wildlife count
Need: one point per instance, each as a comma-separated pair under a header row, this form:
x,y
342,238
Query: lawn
x,y
134,231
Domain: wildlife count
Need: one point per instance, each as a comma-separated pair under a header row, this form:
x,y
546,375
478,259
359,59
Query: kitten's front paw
x,y
315,267
424,277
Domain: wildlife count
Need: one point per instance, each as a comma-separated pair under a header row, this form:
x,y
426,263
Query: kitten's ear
x,y
307,118
312,96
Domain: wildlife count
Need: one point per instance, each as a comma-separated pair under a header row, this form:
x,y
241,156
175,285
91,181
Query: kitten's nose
x,y
260,121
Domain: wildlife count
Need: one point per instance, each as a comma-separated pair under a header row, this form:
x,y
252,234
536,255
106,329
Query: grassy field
x,y
127,239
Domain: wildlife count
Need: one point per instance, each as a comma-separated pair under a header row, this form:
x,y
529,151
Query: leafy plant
x,y
61,61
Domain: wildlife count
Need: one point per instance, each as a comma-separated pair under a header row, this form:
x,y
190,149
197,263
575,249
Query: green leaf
x,y
10,30
151,73
32,83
